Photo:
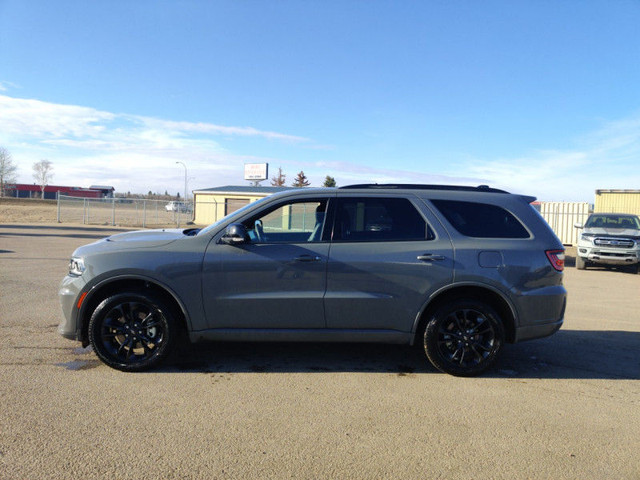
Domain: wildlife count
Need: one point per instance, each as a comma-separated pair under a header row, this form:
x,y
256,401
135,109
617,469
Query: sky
x,y
535,97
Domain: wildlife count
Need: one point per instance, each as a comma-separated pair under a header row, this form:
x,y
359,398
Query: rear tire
x,y
132,331
463,338
580,263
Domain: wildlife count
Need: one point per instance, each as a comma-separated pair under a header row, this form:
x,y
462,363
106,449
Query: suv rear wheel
x,y
132,331
463,337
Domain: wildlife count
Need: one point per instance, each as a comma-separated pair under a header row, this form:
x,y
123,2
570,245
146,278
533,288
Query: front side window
x,y
295,222
481,220
379,220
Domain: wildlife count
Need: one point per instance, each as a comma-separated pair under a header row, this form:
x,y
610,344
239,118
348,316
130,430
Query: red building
x,y
23,190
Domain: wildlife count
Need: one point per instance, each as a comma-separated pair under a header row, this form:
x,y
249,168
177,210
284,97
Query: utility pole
x,y
185,181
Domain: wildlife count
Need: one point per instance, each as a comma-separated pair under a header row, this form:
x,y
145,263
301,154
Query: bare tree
x,y
301,180
7,170
278,181
43,173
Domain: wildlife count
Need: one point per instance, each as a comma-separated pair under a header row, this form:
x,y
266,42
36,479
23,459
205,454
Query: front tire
x,y
463,338
132,332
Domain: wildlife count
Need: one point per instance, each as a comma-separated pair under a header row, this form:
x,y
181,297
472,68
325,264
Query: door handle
x,y
429,257
308,258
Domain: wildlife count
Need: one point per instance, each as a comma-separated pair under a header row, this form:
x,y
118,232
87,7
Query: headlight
x,y
586,237
76,266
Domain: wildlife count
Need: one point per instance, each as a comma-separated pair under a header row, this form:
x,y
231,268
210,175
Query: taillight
x,y
556,258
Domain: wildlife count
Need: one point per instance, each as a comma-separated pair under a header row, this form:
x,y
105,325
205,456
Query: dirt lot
x,y
13,210
563,407
135,214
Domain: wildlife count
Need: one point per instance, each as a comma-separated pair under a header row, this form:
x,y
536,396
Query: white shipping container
x,y
561,217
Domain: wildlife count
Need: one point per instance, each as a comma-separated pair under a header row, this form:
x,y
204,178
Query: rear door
x,y
388,254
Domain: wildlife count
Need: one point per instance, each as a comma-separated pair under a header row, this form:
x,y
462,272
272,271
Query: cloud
x,y
137,153
347,173
606,158
49,121
6,86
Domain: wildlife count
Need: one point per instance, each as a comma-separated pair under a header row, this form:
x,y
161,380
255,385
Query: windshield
x,y
237,213
613,221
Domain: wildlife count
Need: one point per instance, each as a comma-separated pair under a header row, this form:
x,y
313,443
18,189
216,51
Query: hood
x,y
133,240
613,232
147,238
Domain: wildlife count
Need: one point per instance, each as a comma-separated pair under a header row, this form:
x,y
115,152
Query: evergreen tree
x,y
329,182
301,180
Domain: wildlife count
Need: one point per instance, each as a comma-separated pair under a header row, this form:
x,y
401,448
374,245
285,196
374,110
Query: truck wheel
x,y
580,263
463,338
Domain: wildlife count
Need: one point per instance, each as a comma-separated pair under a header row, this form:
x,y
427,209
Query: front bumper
x,y
608,256
70,289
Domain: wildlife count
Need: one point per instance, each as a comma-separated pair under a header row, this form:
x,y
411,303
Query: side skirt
x,y
300,335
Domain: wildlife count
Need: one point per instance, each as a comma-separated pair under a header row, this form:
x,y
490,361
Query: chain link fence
x,y
133,212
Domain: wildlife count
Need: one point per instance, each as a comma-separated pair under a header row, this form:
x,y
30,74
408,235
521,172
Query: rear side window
x,y
379,220
481,220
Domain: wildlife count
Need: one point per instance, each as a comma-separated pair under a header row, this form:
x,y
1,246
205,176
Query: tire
x,y
132,331
580,263
463,338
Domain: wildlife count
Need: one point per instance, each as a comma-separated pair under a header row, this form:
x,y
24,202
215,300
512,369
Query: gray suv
x,y
459,270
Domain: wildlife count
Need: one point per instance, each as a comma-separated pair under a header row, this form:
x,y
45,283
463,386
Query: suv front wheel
x,y
132,331
463,337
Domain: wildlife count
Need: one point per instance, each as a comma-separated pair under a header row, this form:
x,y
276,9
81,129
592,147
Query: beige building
x,y
212,204
617,201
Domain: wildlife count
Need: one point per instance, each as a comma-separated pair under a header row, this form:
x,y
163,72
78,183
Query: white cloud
x,y
606,158
135,153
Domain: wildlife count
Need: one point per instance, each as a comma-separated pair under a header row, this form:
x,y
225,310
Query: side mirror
x,y
235,234
578,225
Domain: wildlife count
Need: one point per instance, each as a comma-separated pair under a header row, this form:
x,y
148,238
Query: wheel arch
x,y
483,293
128,284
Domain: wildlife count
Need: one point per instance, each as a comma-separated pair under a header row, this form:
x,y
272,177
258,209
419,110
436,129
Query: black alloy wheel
x,y
463,338
132,331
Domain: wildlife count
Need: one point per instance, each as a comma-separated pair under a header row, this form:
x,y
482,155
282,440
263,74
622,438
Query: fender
x,y
442,291
101,284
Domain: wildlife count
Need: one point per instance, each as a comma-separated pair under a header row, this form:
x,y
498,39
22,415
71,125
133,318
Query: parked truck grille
x,y
614,242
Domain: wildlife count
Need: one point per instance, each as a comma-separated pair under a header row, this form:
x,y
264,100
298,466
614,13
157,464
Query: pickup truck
x,y
609,239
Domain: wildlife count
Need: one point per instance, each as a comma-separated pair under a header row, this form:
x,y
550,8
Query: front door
x,y
277,279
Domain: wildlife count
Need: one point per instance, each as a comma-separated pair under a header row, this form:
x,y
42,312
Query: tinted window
x,y
295,222
481,220
379,220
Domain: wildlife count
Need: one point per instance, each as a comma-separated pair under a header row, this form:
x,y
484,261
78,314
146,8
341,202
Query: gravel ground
x,y
563,407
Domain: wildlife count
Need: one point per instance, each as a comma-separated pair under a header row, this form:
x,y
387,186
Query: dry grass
x,y
27,210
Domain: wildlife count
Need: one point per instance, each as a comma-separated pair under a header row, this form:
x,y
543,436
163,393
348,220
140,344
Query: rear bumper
x,y
531,332
542,313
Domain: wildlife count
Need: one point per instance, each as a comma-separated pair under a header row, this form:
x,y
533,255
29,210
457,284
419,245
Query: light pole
x,y
185,181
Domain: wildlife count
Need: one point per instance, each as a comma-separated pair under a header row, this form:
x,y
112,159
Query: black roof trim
x,y
418,186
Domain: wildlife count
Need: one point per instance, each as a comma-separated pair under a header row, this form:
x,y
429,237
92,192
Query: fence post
x,y
58,196
113,211
144,213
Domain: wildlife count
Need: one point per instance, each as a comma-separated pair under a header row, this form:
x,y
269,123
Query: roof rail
x,y
418,186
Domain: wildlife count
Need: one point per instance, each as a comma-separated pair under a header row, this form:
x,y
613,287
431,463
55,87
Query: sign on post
x,y
256,172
